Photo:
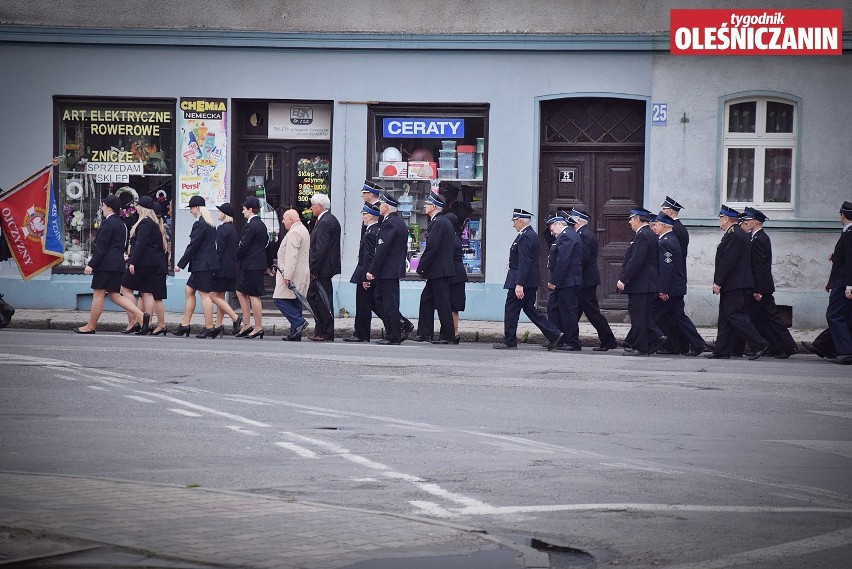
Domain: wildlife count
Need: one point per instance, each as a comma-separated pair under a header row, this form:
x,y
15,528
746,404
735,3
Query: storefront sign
x,y
311,178
300,121
411,127
203,156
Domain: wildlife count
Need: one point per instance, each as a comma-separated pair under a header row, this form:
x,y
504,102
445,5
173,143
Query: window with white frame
x,y
759,155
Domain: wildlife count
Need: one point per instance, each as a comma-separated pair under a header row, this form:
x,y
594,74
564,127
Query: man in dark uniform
x,y
761,306
733,281
324,264
370,192
839,287
639,276
672,209
522,285
365,301
588,303
565,263
438,268
387,268
667,308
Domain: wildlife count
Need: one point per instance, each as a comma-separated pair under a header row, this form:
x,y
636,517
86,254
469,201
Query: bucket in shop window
x,y
466,161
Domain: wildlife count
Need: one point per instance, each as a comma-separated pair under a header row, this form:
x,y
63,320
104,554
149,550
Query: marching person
x,y
251,261
160,292
839,287
387,267
733,281
670,207
365,299
107,267
437,267
639,279
588,303
200,255
761,306
325,263
667,308
147,246
458,297
225,277
370,193
521,284
293,270
565,263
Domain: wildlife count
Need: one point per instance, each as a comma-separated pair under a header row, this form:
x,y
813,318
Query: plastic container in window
x,y
447,162
448,173
448,144
466,161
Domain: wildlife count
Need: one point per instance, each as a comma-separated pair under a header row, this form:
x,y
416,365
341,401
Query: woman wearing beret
x,y
251,256
225,278
147,245
200,256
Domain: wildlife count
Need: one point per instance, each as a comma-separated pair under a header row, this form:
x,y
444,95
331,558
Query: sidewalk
x,y
276,325
85,522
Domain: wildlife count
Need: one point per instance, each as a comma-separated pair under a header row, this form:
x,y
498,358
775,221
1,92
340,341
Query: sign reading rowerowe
x,y
300,121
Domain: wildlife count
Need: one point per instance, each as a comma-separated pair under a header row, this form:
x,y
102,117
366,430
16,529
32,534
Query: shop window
x,y
759,153
110,146
416,149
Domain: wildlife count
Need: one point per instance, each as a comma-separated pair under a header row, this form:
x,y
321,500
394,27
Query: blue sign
x,y
411,127
659,114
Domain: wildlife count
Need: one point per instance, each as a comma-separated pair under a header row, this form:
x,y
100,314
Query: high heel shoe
x,y
182,330
255,335
146,324
159,331
238,323
244,333
457,339
205,333
216,331
133,329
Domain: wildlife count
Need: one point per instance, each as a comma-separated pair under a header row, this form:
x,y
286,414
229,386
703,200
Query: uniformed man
x,y
522,285
565,263
437,266
370,193
667,308
387,267
761,306
588,303
365,300
839,287
672,209
639,279
733,282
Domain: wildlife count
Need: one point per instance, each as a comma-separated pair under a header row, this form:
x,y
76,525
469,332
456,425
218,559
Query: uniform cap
x,y
148,202
251,202
226,208
113,202
389,199
554,218
669,202
580,214
372,209
729,211
519,213
371,187
846,208
435,199
663,218
641,212
197,201
756,214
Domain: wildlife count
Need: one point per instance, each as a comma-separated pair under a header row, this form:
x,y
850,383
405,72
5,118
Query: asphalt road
x,y
661,461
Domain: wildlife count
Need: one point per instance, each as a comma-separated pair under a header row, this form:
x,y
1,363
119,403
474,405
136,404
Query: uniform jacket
x,y
565,261
523,260
325,247
841,261
251,252
391,249
761,263
733,260
201,254
672,278
146,245
109,246
226,250
366,252
459,270
683,239
437,259
293,260
639,271
591,273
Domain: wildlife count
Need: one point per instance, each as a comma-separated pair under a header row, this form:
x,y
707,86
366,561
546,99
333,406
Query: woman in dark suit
x,y
201,257
251,256
458,297
225,278
147,245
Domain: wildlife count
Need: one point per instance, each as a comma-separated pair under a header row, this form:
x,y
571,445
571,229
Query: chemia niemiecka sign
x,y
412,127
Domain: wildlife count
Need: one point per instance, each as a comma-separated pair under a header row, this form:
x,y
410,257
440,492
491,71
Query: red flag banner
x,y
25,219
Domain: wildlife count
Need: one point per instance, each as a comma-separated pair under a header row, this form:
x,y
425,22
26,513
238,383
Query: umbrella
x,y
324,298
299,296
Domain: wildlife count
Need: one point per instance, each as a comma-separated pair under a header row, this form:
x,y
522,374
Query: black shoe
x,y
457,339
146,323
296,338
386,342
668,352
182,330
502,346
717,356
782,355
844,359
419,338
159,331
698,351
628,351
605,347
206,333
759,353
558,342
253,335
133,329
353,338
814,350
567,348
654,346
297,331
78,331
440,341
217,331
244,333
235,327
407,329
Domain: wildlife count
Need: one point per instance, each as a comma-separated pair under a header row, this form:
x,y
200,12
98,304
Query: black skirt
x,y
457,297
224,284
201,281
160,291
250,282
109,281
145,279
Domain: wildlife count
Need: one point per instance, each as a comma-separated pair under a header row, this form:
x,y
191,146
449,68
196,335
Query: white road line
x,y
139,399
502,510
839,538
320,413
241,430
515,447
301,451
97,387
628,466
842,448
184,412
247,401
203,409
432,509
61,376
841,414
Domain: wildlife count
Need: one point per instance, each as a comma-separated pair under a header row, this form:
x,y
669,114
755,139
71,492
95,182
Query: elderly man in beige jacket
x,y
293,270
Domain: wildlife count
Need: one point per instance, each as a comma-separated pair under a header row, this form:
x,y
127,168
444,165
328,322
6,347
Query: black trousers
x,y
365,305
588,305
734,323
322,312
387,297
673,322
436,296
512,312
562,311
764,315
643,330
839,318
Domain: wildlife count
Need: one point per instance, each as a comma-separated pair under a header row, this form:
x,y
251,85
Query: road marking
x,y
97,387
516,447
502,510
432,509
842,448
205,409
629,466
184,412
785,551
301,451
139,399
365,479
61,376
841,414
320,413
242,431
248,401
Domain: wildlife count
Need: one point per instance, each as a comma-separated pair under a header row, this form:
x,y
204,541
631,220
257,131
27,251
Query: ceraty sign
x,y
412,127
